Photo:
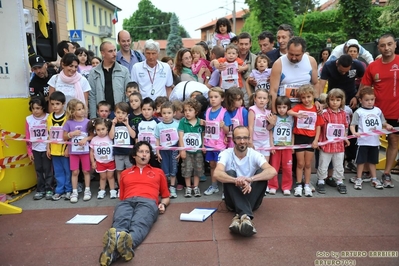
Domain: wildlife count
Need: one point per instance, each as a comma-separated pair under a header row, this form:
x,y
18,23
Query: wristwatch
x,y
207,77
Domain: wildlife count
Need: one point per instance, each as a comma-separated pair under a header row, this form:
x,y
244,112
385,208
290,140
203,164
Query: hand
x,y
221,67
126,121
272,151
31,157
315,144
161,208
353,103
178,156
252,81
114,121
66,153
82,142
347,143
94,165
246,189
357,134
202,122
240,181
183,154
48,153
207,72
301,115
226,140
221,123
159,157
272,119
319,107
388,127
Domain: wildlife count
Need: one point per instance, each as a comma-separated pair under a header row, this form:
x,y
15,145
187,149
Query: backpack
x,y
138,55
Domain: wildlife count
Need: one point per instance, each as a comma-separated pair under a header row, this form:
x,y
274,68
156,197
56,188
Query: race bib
x,y
260,124
371,122
76,147
168,137
224,43
230,73
335,131
122,136
192,140
290,90
262,84
103,152
308,122
147,136
234,123
38,132
212,130
282,132
56,133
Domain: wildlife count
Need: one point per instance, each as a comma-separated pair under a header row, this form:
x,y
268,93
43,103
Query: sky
x,y
192,14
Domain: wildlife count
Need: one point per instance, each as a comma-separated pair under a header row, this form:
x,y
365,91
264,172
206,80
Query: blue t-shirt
x,y
244,115
226,118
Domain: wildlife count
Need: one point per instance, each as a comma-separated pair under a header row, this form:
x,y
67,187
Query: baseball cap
x,y
36,61
352,42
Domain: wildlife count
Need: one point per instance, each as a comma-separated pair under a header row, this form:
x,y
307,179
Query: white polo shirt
x,y
247,166
152,81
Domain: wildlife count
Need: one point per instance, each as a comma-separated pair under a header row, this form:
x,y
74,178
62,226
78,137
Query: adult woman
x,y
183,70
69,81
324,55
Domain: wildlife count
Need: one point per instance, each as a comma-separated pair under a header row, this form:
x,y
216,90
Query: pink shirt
x,y
237,120
260,131
211,138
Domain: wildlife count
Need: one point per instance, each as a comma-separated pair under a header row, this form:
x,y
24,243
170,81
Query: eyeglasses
x,y
241,138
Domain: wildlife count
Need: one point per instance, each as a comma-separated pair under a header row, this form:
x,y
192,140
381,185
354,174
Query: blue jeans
x,y
62,174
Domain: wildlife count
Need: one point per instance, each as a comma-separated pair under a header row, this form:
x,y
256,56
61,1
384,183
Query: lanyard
x,y
152,79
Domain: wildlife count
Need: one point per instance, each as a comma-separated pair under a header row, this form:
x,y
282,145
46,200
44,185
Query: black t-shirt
x,y
38,86
108,90
344,82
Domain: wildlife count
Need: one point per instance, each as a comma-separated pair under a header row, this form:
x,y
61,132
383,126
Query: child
x,y
234,66
59,152
306,131
123,134
335,126
130,88
282,136
178,106
222,33
146,128
234,40
239,115
95,61
158,103
103,109
199,60
135,115
217,123
75,131
166,136
35,129
102,158
260,74
190,136
84,66
260,122
368,117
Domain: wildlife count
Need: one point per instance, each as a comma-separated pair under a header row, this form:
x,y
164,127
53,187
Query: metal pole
x,y
234,16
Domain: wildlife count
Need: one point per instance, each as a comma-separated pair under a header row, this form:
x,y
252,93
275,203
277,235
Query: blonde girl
x,y
199,60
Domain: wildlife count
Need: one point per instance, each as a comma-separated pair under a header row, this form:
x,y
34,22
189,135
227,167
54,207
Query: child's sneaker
x,y
287,192
100,195
376,183
67,196
113,194
87,195
272,191
74,198
173,193
298,191
188,192
38,196
387,181
49,195
56,197
320,187
197,192
341,188
211,190
358,183
308,191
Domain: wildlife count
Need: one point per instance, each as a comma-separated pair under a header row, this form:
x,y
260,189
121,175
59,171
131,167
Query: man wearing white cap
x,y
343,49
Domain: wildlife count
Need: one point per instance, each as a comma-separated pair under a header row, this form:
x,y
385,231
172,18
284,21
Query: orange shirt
x,y
239,62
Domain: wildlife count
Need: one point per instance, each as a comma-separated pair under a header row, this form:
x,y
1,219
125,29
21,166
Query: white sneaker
x,y
100,195
112,194
87,195
298,191
74,198
272,191
308,191
211,190
358,184
287,192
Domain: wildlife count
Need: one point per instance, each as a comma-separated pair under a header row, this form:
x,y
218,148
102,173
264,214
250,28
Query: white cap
x,y
352,42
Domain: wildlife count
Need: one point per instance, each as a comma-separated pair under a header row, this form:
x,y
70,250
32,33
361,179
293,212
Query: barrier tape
x,y
11,159
9,166
300,146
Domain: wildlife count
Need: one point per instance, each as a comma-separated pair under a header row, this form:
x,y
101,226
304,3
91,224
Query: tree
x,y
303,6
148,22
174,39
390,16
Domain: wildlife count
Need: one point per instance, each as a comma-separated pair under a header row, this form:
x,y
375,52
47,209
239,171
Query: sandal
x,y
395,169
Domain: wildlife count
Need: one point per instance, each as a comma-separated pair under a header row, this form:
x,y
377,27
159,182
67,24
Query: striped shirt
x,y
331,117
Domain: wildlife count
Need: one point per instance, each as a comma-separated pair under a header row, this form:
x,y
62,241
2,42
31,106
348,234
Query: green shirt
x,y
191,140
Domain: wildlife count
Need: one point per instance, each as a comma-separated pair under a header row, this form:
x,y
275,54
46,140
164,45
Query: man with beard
x,y
293,70
244,173
38,84
139,206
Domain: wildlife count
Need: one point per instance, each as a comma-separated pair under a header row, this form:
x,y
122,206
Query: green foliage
x,y
174,39
302,6
356,19
148,22
390,17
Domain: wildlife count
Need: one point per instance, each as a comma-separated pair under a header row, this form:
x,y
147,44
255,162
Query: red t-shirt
x,y
307,132
385,79
149,182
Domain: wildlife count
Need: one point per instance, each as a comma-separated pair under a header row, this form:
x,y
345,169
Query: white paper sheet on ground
x,y
197,215
86,219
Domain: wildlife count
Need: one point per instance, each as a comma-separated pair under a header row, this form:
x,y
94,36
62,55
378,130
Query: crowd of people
x,y
226,106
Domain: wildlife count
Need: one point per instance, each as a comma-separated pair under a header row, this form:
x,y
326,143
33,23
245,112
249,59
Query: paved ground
x,y
291,231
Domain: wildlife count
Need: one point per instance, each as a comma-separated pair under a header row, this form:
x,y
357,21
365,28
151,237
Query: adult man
x,y
342,74
107,80
266,42
284,34
38,84
64,47
153,76
243,172
125,56
383,75
343,49
140,187
291,71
